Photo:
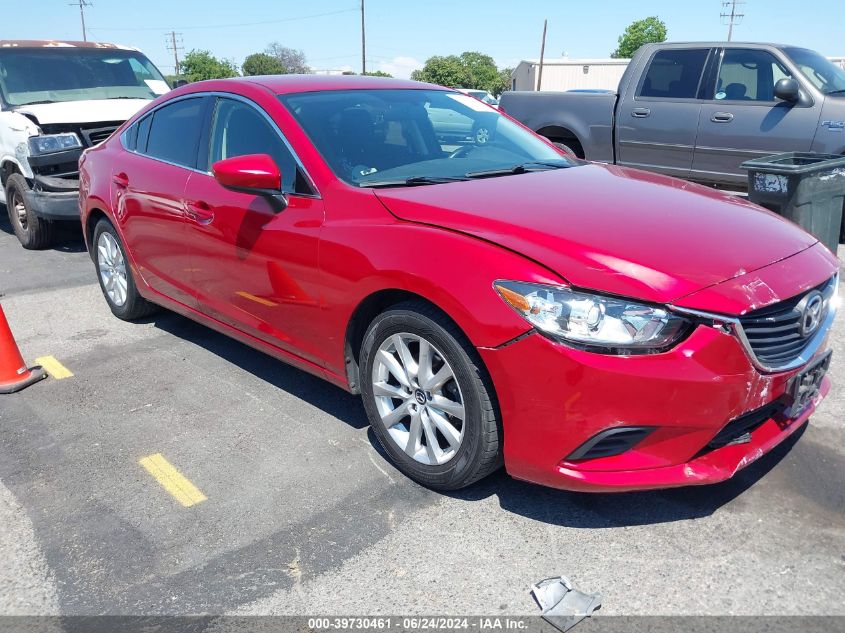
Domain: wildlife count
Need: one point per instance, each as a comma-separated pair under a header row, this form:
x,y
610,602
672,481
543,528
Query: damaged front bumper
x,y
55,186
676,410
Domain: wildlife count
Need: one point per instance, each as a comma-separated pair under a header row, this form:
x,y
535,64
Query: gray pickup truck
x,y
698,110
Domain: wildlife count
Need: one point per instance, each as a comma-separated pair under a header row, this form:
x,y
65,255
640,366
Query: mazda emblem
x,y
811,314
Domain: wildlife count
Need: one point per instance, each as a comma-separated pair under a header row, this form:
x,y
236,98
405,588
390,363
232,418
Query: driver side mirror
x,y
788,89
257,174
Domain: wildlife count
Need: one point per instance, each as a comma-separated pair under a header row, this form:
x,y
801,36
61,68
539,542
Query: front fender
x,y
451,270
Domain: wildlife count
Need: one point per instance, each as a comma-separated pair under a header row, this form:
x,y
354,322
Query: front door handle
x,y
722,117
640,113
199,212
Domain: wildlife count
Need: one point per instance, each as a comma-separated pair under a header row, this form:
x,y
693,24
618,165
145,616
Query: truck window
x,y
674,74
175,132
749,75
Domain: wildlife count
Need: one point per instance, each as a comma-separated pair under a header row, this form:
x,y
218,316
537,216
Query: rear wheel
x,y
33,233
428,399
115,275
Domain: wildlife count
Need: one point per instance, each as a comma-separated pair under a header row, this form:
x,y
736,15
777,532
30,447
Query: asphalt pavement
x,y
270,497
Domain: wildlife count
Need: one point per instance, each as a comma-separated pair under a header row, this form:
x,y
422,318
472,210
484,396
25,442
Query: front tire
x,y
115,275
429,400
33,233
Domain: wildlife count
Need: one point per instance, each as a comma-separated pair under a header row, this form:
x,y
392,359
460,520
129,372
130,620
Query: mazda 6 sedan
x,y
590,327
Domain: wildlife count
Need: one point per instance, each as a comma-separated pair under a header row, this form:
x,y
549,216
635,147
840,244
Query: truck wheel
x,y
566,149
33,232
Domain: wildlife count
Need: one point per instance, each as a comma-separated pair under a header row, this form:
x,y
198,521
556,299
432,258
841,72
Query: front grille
x,y
774,333
736,430
95,136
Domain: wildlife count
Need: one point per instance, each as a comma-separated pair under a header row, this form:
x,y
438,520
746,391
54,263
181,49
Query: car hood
x,y
608,228
83,111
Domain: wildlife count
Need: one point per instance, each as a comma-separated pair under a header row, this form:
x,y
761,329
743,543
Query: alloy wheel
x,y
112,267
418,398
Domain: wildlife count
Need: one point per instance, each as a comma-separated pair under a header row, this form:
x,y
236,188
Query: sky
x,y
402,34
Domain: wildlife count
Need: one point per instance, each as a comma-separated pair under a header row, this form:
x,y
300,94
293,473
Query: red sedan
x,y
492,300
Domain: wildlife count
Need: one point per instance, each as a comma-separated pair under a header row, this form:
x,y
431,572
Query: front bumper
x,y
54,198
554,398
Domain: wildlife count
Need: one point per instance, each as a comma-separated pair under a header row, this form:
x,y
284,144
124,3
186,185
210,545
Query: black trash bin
x,y
807,188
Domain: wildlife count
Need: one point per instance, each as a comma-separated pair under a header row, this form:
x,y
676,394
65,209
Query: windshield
x,y
375,137
47,75
824,74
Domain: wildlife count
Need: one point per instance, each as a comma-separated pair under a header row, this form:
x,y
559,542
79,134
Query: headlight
x,y
594,322
52,143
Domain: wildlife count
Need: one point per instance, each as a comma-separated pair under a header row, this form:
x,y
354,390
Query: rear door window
x,y
175,132
674,74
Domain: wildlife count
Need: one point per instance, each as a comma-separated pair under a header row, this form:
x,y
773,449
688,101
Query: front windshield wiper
x,y
411,182
522,168
20,105
836,92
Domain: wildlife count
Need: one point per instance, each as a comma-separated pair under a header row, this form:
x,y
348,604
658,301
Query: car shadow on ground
x,y
317,392
68,237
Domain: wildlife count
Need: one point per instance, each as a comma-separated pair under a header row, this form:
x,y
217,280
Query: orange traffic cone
x,y
14,374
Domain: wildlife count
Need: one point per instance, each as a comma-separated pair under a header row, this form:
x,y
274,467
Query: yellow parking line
x,y
252,297
172,480
54,367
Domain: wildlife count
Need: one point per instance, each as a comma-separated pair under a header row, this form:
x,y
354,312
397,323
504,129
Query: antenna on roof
x,y
732,17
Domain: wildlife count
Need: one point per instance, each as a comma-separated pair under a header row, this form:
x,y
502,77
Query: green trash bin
x,y
804,187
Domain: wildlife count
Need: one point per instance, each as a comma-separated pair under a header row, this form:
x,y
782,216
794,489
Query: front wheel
x,y
428,399
33,233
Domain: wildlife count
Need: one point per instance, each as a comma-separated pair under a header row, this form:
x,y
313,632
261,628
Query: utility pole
x,y
363,42
732,17
173,46
542,54
82,4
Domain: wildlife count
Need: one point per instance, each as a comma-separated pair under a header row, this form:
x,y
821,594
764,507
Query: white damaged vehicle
x,y
57,99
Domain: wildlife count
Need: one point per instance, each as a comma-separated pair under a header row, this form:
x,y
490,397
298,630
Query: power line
x,y
224,26
733,17
172,45
82,4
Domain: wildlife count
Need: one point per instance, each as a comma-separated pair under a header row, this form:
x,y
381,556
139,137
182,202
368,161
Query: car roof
x,y
286,84
61,44
714,44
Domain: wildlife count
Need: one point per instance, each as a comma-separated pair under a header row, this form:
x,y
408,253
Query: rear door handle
x,y
722,117
199,212
640,113
121,180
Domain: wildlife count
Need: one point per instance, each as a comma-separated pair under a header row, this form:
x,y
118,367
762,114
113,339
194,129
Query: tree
x,y
262,64
503,82
292,61
483,74
646,31
200,65
377,73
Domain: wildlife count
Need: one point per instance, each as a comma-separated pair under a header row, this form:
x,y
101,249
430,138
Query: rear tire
x,y
33,233
566,149
115,275
456,438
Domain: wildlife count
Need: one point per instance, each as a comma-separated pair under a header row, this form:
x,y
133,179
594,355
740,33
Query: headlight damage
x,y
52,143
594,322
